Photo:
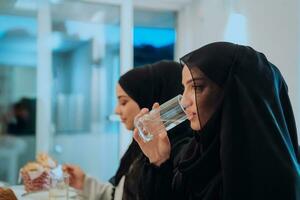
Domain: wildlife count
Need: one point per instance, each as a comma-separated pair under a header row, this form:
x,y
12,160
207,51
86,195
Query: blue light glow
x,y
9,23
153,36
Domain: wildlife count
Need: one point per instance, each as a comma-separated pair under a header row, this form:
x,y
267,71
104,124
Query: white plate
x,y
2,184
39,195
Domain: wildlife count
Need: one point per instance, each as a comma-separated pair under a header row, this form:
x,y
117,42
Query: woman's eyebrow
x,y
121,96
195,79
189,81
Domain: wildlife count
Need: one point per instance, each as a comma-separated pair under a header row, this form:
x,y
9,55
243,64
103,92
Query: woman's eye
x,y
198,87
123,103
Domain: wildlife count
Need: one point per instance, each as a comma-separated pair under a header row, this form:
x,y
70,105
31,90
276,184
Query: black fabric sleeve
x,y
155,182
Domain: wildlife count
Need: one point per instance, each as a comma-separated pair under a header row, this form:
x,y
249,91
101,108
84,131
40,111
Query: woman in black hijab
x,y
137,88
245,145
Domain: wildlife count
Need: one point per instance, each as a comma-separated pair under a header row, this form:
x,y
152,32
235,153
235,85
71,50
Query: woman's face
x,y
207,93
126,108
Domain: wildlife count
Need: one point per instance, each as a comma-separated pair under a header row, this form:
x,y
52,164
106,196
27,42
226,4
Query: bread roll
x,y
7,194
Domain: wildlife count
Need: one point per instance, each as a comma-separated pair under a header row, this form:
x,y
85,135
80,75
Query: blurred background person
x,y
23,117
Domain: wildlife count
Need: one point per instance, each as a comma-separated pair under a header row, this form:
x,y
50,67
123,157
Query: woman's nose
x,y
117,110
184,101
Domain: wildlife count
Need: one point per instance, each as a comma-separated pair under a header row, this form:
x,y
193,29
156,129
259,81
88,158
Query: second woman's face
x,y
126,108
200,95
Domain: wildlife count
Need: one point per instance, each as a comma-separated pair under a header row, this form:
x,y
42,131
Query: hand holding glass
x,y
164,118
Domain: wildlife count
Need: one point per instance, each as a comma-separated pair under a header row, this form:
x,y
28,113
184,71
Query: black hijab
x,y
146,85
249,148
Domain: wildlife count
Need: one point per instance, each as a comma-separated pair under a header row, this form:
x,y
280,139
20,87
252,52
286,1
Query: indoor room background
x,y
60,61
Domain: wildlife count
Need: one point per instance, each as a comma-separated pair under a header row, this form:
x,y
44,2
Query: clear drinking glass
x,y
166,117
59,187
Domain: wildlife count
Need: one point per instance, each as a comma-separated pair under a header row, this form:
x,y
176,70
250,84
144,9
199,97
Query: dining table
x,y
21,194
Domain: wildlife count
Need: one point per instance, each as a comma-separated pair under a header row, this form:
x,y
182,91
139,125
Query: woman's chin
x,y
129,127
195,125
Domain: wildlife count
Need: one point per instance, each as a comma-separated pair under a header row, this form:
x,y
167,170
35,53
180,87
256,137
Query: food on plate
x,y
35,175
7,194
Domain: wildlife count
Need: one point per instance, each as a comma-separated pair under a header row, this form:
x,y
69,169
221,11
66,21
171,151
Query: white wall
x,y
81,69
24,83
273,27
96,154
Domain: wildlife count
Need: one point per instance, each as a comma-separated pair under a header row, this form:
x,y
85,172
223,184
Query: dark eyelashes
x,y
198,87
123,103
